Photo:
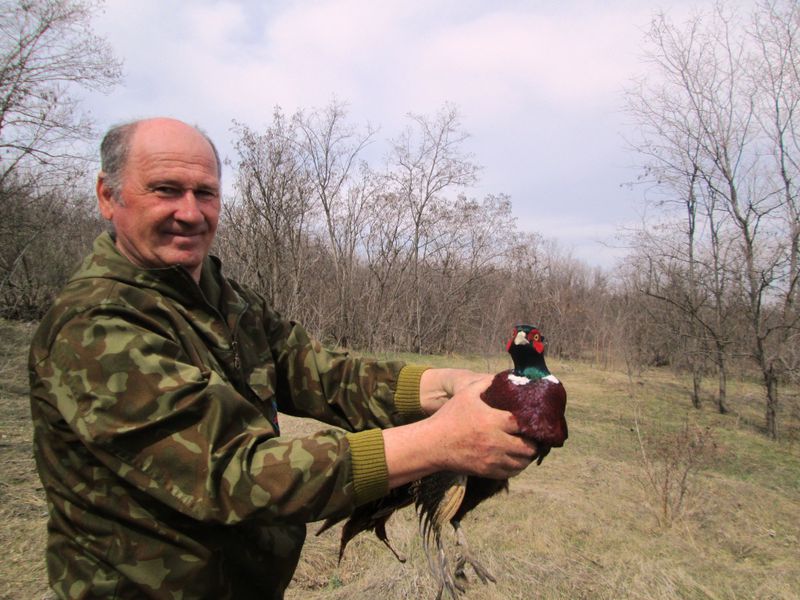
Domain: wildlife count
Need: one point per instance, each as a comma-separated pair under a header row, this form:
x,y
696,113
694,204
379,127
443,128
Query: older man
x,y
156,385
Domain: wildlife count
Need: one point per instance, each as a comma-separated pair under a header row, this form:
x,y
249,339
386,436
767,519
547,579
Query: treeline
x,y
395,255
377,244
43,235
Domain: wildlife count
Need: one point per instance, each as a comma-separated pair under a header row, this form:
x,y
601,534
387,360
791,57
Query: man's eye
x,y
206,194
166,190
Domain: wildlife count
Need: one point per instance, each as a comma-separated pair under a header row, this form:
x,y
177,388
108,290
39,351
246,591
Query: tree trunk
x,y
771,383
697,379
722,397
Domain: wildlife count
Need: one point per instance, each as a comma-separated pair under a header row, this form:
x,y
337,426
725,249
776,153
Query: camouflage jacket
x,y
154,402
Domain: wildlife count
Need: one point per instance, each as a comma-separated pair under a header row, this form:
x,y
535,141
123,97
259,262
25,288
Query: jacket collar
x,y
175,282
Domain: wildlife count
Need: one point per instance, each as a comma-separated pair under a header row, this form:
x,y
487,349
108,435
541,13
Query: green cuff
x,y
406,396
370,473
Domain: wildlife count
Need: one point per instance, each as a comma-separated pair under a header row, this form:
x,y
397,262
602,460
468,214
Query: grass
x,y
578,526
23,511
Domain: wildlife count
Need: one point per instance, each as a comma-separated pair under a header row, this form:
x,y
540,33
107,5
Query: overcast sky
x,y
538,85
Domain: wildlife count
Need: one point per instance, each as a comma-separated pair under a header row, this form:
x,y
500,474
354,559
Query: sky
x,y
538,85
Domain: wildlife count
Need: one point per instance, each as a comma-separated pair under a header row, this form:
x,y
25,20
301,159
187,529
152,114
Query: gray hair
x,y
115,147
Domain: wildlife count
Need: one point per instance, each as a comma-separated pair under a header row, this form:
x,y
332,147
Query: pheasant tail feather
x,y
438,498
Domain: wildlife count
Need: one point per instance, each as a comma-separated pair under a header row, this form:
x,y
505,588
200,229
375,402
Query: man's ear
x,y
105,197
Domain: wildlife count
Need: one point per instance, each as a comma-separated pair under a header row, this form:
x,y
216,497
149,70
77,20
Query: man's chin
x,y
187,259
187,252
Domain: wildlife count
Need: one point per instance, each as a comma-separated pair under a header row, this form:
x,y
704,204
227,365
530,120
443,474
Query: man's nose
x,y
188,209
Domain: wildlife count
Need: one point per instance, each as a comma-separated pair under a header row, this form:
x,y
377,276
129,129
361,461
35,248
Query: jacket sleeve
x,y
359,395
339,389
183,435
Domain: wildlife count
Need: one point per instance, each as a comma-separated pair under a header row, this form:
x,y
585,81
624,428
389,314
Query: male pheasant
x,y
538,401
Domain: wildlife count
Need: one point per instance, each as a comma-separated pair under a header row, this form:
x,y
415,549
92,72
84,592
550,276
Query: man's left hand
x,y
437,386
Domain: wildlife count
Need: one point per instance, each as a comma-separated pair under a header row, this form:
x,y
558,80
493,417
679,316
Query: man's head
x,y
160,188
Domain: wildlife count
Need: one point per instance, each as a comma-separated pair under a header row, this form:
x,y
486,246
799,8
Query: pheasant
x,y
538,401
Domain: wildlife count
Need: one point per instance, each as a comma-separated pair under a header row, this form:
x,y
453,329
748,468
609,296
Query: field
x,y
585,524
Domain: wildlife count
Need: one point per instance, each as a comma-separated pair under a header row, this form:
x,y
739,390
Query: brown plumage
x,y
538,401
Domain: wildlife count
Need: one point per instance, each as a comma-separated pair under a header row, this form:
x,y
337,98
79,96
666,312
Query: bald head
x,y
116,145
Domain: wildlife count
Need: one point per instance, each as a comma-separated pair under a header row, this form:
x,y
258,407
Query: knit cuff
x,y
370,473
406,396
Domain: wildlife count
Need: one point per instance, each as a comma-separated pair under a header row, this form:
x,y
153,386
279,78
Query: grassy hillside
x,y
584,524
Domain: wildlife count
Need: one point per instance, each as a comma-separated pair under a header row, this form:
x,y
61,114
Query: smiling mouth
x,y
185,234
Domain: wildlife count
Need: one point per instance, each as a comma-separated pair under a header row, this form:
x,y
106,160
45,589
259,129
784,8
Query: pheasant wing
x,y
372,517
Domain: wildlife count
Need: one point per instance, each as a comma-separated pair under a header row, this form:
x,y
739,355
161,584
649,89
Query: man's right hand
x,y
465,435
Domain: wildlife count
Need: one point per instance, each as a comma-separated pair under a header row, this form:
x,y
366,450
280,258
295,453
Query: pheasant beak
x,y
520,339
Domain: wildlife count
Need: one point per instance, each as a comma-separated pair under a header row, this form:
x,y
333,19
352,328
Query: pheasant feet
x,y
465,557
448,580
455,580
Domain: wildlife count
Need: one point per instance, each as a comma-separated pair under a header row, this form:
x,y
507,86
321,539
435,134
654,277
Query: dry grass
x,y
23,512
578,526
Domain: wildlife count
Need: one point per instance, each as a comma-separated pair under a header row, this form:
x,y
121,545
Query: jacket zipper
x,y
237,363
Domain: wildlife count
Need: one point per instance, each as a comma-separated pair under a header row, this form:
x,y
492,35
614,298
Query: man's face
x,y
169,199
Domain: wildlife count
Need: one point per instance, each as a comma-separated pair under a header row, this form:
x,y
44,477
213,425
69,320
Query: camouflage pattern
x,y
155,402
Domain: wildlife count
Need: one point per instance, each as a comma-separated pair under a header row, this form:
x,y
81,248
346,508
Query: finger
x,y
526,447
477,383
482,378
517,466
506,422
516,472
453,381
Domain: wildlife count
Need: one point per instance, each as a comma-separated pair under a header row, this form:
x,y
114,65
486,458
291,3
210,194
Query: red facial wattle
x,y
535,339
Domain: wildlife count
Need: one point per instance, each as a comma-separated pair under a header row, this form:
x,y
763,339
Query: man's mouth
x,y
185,234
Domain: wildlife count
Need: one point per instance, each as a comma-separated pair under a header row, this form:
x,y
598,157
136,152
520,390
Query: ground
x,y
584,524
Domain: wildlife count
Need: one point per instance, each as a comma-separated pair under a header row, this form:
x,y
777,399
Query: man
x,y
155,390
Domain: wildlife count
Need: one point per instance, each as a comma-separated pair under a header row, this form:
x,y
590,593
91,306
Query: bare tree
x,y
777,88
47,53
673,148
41,249
467,249
47,50
427,161
388,256
719,119
344,190
271,216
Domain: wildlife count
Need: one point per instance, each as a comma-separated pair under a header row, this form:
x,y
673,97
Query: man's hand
x,y
477,439
437,386
465,435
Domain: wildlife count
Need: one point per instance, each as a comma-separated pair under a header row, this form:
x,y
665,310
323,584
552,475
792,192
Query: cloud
x,y
538,84
412,55
594,242
522,57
